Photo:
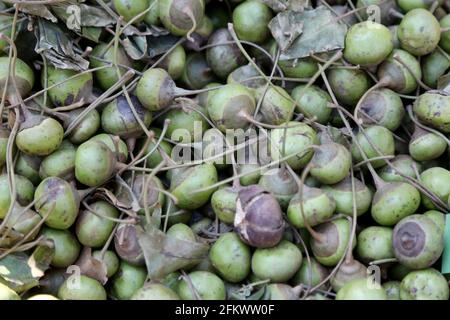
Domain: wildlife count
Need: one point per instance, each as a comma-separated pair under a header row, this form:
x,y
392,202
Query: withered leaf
x,y
91,33
321,32
165,254
443,83
283,5
57,47
77,15
21,271
91,266
39,10
286,28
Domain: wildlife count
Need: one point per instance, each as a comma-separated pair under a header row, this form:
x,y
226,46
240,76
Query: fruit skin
x,y
427,284
367,43
231,257
419,32
437,217
278,263
299,137
425,146
223,202
24,77
394,201
24,192
434,66
331,163
337,234
197,73
436,180
183,184
175,19
317,208
444,43
359,290
127,280
400,79
317,271
375,243
60,163
404,164
392,289
418,242
381,137
94,163
155,89
108,76
92,230
385,107
348,85
155,291
250,20
174,62
343,196
59,200
276,106
313,102
281,184
40,139
110,259
8,294
433,109
223,59
207,284
226,104
118,117
128,9
89,289
67,248
70,91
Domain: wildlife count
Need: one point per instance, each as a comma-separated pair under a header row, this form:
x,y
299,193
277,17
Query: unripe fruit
x,y
375,243
250,20
418,242
278,263
231,257
379,136
92,229
433,108
24,192
40,136
58,201
436,180
392,289
129,9
127,281
295,140
259,219
67,248
206,284
127,245
330,248
95,163
313,102
88,289
367,43
419,32
427,284
361,289
343,196
180,16
348,85
155,291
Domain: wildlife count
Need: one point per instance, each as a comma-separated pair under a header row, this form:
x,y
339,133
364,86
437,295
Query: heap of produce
x,y
239,150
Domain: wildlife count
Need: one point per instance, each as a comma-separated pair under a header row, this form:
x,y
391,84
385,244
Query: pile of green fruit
x,y
121,177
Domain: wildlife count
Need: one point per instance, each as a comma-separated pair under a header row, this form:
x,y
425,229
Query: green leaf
x,y
21,272
321,32
165,254
57,47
